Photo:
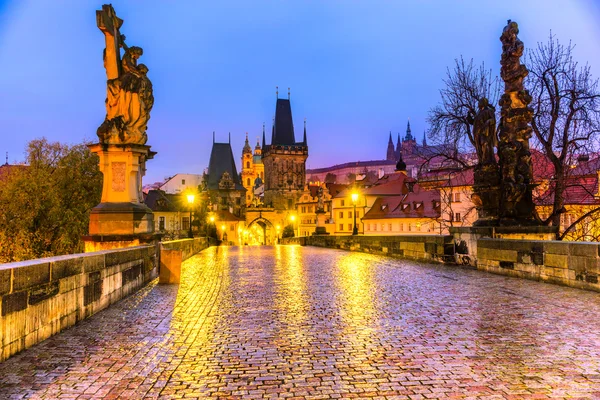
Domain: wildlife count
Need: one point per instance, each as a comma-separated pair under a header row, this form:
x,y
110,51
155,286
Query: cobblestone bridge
x,y
286,321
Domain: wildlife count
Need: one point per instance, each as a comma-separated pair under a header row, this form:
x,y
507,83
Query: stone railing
x,y
41,297
572,264
436,248
173,253
188,247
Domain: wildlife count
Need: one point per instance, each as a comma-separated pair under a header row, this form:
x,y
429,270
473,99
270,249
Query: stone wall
x,y
188,247
433,248
574,264
39,298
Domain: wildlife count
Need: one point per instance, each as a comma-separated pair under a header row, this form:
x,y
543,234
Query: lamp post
x,y
354,200
224,235
190,199
278,229
211,224
293,219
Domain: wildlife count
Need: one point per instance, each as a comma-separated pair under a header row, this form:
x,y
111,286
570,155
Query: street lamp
x,y
224,235
354,200
293,219
190,199
278,229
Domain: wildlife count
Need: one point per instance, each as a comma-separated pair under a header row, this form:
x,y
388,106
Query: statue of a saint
x,y
484,132
320,207
129,96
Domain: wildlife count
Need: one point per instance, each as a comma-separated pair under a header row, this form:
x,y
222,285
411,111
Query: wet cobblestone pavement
x,y
317,324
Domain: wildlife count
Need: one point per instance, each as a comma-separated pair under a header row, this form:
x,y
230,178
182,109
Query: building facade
x,y
253,172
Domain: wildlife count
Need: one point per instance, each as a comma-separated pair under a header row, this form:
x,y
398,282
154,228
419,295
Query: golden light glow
x,y
222,227
212,218
278,227
190,198
354,197
292,218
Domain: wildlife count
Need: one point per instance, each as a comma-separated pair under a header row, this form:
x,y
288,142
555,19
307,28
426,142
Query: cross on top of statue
x,y
109,24
129,95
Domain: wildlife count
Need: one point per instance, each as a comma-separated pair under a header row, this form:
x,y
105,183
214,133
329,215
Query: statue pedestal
x,y
465,238
320,228
121,219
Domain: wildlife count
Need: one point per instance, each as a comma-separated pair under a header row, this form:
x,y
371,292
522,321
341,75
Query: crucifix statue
x,y
129,96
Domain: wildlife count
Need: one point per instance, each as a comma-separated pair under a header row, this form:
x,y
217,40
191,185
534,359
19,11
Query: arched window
x,y
247,164
248,182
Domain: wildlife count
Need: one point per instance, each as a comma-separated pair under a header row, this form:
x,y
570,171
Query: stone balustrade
x,y
574,264
433,248
39,298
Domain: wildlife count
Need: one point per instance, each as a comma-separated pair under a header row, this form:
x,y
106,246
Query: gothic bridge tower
x,y
284,161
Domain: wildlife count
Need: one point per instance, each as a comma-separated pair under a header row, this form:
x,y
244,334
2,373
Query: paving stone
x,y
312,323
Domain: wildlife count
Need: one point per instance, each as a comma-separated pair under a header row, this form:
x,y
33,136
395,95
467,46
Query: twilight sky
x,y
357,69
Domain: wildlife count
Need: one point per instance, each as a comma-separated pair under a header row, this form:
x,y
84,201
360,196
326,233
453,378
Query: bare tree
x,y
566,105
450,121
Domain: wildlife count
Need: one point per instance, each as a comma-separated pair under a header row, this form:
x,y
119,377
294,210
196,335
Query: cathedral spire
x,y
390,156
409,135
425,139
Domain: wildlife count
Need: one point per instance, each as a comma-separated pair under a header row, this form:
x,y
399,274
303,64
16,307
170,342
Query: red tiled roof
x,y
418,204
580,190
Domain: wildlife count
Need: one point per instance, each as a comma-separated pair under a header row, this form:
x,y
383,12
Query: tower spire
x,y
425,139
390,155
288,93
277,91
409,135
213,137
264,143
229,137
304,141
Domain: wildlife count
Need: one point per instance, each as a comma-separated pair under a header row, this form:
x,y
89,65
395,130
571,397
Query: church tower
x,y
409,143
284,161
248,173
390,156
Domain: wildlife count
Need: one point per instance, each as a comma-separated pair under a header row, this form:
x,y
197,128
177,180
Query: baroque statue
x,y
514,133
129,97
484,132
320,206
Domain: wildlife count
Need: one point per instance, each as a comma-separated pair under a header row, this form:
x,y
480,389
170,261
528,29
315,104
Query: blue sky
x,y
357,69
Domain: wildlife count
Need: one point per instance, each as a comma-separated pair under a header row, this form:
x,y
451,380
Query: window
x,y
457,217
310,209
183,181
341,214
248,182
390,227
303,209
247,164
231,227
342,203
185,223
349,214
457,197
161,223
349,227
409,227
401,226
374,227
341,227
